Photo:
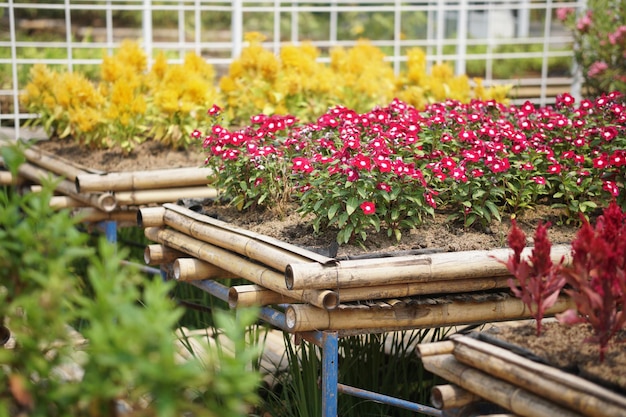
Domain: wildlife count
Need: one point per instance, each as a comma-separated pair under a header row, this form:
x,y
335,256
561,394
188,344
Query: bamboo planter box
x,y
96,195
316,292
479,371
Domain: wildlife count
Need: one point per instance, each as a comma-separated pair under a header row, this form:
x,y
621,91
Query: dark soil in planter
x,y
567,348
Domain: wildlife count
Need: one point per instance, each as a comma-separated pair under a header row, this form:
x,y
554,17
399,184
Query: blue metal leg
x,y
330,373
110,230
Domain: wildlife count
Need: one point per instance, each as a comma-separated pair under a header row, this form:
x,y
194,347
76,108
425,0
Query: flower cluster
x,y
389,168
128,105
599,44
297,83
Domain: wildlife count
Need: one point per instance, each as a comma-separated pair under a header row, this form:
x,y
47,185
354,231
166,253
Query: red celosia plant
x,y
597,276
537,282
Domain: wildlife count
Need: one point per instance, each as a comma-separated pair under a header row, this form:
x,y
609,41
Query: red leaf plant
x,y
537,282
597,277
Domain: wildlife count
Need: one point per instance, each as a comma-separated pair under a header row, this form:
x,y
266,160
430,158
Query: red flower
x,y
554,169
384,187
362,162
430,200
611,187
302,164
196,134
214,110
368,207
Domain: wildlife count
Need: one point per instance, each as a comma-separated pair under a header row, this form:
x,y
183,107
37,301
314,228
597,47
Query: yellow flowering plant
x,y
132,103
180,95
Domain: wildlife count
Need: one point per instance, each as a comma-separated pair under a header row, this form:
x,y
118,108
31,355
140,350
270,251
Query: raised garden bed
x,y
555,374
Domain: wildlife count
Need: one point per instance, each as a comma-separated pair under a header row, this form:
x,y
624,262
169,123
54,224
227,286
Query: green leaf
x,y
332,210
352,205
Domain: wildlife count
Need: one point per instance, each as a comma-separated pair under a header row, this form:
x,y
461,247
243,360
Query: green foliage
x,y
382,363
130,359
599,44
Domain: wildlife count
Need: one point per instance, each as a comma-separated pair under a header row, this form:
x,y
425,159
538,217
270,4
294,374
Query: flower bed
x,y
390,168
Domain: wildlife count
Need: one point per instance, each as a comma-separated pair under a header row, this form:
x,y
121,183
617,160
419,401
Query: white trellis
x,y
448,31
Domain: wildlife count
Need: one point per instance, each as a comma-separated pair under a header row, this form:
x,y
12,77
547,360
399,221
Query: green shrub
x,y
54,283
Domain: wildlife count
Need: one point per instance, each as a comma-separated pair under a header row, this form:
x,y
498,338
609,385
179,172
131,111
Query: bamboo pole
x,y
163,195
92,214
6,178
239,266
54,163
504,394
160,254
271,252
553,384
63,201
421,288
300,317
449,396
192,269
142,180
398,270
105,202
435,348
150,217
255,295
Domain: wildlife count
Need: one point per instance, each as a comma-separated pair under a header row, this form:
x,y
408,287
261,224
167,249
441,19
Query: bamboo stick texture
x,y
192,269
377,292
92,214
270,252
504,394
449,396
142,180
255,295
398,270
160,254
6,178
239,266
436,348
105,202
166,195
560,387
302,317
54,163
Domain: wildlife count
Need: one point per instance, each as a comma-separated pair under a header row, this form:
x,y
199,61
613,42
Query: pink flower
x,y
196,134
597,68
584,23
539,180
563,13
368,208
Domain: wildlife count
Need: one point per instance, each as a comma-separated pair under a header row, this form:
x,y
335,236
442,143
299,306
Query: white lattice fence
x,y
476,37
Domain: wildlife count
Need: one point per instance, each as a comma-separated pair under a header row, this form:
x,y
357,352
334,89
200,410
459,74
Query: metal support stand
x,y
328,341
330,373
110,230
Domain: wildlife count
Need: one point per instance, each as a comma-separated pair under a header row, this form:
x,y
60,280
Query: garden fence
x,y
516,42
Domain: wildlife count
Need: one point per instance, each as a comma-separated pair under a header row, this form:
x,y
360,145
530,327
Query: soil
x,y
557,342
567,348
